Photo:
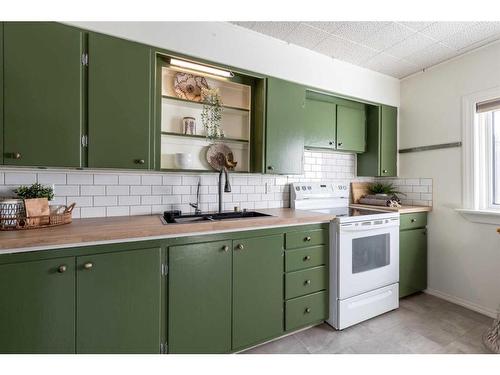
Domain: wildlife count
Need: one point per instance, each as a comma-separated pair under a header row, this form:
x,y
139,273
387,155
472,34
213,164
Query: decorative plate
x,y
219,155
188,86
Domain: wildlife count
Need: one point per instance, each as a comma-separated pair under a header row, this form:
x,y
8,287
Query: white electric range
x,y
364,253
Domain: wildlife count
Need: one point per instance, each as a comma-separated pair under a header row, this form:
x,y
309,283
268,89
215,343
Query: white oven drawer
x,y
367,305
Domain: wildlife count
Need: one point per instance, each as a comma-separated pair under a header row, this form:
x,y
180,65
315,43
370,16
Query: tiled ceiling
x,y
397,49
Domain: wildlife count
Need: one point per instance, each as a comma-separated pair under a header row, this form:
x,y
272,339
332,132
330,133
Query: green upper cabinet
x,y
351,128
119,103
199,298
43,78
118,302
1,92
284,139
37,306
319,125
380,158
258,265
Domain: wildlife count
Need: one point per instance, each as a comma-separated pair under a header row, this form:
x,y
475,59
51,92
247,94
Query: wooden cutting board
x,y
359,190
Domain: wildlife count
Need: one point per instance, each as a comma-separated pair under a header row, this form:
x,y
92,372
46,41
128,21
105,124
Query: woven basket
x,y
59,215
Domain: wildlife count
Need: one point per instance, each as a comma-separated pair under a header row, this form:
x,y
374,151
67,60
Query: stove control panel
x,y
318,190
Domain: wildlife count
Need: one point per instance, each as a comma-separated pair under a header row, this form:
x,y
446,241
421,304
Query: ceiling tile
x,y
359,31
431,55
246,24
442,30
307,36
345,50
388,36
415,25
329,27
472,36
410,45
390,65
279,30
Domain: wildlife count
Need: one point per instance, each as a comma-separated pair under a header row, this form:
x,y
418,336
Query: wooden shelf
x,y
204,137
200,104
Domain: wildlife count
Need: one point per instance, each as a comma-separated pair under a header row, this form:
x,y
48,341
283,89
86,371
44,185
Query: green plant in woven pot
x,y
36,199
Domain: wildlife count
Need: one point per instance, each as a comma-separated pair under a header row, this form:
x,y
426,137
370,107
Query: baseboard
x,y
459,301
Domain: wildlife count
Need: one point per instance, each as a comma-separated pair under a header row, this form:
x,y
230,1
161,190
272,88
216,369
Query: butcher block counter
x,y
136,228
401,210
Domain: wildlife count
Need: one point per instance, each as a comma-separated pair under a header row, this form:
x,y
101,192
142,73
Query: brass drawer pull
x,y
88,265
413,220
139,161
16,155
307,282
240,247
62,268
307,239
307,257
225,248
307,310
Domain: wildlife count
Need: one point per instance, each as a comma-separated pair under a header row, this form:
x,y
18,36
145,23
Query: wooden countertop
x,y
133,228
401,210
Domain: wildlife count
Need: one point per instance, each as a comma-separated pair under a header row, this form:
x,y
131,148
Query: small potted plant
x,y
36,199
211,115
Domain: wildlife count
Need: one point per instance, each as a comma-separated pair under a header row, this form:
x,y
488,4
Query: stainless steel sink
x,y
186,219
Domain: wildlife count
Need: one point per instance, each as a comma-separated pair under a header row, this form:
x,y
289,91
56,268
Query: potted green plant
x,y
36,199
381,189
211,114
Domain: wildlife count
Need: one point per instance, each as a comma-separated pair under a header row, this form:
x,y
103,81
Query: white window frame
x,y
477,161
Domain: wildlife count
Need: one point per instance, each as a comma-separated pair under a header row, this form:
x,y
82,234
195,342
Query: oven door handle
x,y
360,228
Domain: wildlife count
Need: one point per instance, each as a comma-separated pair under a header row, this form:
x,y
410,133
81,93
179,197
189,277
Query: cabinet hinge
x,y
85,140
164,269
85,59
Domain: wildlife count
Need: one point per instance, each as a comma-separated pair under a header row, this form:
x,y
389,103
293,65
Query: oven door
x,y
368,256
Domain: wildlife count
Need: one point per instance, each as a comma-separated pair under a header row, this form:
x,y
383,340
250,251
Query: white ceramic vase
x,y
183,160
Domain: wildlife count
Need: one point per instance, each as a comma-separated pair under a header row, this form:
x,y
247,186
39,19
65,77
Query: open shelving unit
x,y
236,98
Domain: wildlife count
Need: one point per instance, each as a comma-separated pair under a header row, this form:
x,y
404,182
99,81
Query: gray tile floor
x,y
423,324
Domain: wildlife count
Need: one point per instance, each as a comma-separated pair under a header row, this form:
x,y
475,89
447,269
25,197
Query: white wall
x,y
464,257
245,49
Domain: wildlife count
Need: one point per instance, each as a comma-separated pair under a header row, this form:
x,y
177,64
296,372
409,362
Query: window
x,y
481,157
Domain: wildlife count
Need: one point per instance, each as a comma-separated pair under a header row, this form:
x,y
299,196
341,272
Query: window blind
x,y
488,105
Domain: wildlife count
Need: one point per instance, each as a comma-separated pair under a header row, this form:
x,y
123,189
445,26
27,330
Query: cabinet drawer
x,y
305,258
306,238
307,281
305,310
412,221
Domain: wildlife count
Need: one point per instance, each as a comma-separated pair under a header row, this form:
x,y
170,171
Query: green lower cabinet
x,y
306,310
258,267
304,258
306,281
199,298
118,302
37,306
412,261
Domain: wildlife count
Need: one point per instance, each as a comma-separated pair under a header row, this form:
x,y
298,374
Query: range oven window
x,y
369,253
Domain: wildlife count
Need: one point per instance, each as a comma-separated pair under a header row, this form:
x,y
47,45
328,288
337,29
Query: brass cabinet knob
x,y
307,257
330,143
62,268
339,144
270,167
307,239
225,248
88,265
307,282
139,161
413,220
16,155
384,171
307,310
240,246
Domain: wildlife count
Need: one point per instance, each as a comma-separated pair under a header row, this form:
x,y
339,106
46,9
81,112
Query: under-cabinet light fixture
x,y
201,68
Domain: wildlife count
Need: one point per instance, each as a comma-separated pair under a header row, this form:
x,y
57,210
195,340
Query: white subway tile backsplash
x,y
117,193
20,178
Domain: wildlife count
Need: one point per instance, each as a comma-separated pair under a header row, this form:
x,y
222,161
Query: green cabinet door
x,y
42,94
118,302
412,261
380,157
119,113
1,92
389,141
257,289
351,128
319,124
284,127
199,298
37,306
